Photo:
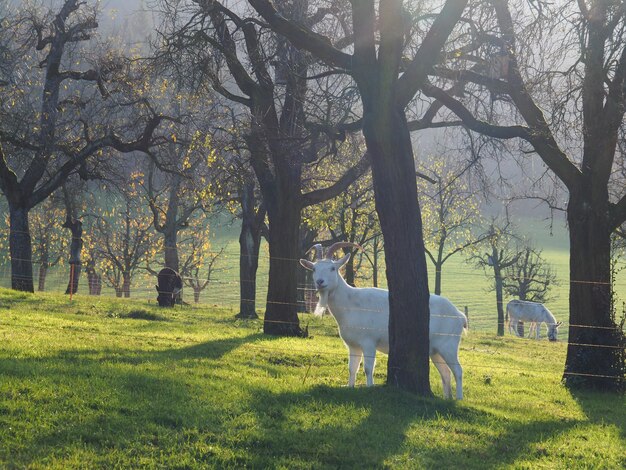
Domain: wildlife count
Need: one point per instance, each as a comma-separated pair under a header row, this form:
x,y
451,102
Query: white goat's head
x,y
325,268
553,330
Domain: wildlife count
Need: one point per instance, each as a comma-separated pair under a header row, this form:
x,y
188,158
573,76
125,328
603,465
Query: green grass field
x,y
102,383
466,285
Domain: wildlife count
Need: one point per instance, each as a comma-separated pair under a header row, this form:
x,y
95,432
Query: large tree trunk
x,y
393,170
595,353
249,245
21,250
281,316
171,248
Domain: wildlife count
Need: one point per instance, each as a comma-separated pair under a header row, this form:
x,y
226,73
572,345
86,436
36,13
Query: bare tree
x,y
125,239
530,277
277,138
559,86
55,128
450,213
379,32
48,242
75,226
500,255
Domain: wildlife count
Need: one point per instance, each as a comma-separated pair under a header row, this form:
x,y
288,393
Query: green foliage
x,y
85,387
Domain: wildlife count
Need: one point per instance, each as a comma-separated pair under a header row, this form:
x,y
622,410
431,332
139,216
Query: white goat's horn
x,y
319,253
336,246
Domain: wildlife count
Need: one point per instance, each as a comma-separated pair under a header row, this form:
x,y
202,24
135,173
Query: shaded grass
x,y
84,386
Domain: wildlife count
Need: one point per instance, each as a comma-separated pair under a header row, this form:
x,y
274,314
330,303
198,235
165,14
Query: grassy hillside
x,y
109,384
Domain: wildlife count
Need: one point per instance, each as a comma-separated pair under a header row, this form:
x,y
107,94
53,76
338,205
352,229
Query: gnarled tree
x,y
557,79
56,120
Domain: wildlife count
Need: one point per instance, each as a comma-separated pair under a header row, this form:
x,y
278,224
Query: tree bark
x,y
76,245
281,316
94,280
43,271
21,250
170,236
393,170
249,246
595,353
497,275
349,272
126,285
438,278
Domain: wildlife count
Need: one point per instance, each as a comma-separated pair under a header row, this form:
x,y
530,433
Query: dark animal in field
x,y
169,287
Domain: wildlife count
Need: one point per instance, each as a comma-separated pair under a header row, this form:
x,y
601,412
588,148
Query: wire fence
x,y
466,286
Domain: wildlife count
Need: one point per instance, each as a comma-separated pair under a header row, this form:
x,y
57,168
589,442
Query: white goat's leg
x,y
537,330
452,360
369,363
444,372
354,362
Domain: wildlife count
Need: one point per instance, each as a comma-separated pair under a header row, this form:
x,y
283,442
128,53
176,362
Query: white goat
x,y
362,315
534,313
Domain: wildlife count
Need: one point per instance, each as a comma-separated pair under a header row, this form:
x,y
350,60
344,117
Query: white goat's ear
x,y
343,260
306,264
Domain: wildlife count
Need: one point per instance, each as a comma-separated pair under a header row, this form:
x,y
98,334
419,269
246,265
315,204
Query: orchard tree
x,y
178,174
500,254
219,46
48,241
530,277
64,106
199,263
556,79
351,215
450,211
389,59
125,237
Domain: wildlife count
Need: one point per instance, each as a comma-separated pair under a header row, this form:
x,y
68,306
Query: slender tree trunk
x,y
595,353
43,271
375,264
281,316
170,236
21,250
349,273
126,284
94,280
196,295
118,291
438,267
249,246
76,246
393,170
497,275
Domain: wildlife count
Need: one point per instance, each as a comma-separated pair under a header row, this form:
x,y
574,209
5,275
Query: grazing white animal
x,y
362,315
533,313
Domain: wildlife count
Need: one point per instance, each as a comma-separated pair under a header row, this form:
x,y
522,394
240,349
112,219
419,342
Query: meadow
x,y
105,383
468,286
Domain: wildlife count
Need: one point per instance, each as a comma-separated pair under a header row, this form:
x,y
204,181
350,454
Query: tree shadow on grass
x,y
603,408
56,406
396,429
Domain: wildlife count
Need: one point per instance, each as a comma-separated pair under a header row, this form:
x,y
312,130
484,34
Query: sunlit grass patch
x,y
85,386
